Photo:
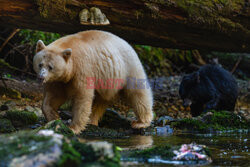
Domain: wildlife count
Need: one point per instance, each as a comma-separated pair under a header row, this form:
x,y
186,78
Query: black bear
x,y
211,87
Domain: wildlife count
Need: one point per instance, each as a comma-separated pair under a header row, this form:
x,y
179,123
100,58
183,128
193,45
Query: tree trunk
x,y
184,24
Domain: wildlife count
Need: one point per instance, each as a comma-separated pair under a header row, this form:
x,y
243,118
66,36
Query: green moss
x,y
19,144
21,118
227,119
189,124
214,14
32,36
218,121
95,131
165,151
6,126
59,127
70,157
93,157
57,9
66,106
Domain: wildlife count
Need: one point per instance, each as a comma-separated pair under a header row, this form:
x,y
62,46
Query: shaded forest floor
x,y
166,99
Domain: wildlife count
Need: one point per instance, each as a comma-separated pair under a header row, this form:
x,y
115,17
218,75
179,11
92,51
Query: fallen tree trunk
x,y
184,24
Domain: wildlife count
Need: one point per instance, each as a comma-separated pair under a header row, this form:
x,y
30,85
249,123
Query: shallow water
x,y
227,149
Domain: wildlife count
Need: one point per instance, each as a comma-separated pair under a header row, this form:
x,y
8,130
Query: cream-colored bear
x,y
92,68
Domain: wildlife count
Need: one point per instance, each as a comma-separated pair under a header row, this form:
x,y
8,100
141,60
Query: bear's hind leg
x,y
82,104
141,101
98,109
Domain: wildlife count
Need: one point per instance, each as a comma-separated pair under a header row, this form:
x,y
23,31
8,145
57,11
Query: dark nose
x,y
187,102
40,78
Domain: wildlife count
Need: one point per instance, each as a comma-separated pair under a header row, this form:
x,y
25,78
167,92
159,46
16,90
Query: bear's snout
x,y
42,74
187,102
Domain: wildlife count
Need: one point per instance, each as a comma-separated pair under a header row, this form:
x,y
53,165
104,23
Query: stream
x,y
227,149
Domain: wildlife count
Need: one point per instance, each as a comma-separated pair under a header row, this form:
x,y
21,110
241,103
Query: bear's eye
x,y
40,65
50,67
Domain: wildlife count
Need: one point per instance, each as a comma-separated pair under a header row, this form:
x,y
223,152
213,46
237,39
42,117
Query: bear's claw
x,y
139,124
75,129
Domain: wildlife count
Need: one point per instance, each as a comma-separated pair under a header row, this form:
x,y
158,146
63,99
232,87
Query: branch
x,y
184,24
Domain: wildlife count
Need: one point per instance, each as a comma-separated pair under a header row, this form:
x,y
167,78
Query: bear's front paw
x,y
75,129
139,124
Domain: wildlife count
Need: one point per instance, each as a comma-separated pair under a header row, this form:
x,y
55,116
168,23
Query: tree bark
x,y
185,24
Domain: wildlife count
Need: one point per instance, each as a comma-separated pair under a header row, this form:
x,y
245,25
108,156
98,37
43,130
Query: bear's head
x,y
51,65
188,82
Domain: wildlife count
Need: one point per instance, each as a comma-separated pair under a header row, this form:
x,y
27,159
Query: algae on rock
x,y
6,126
21,118
47,148
213,121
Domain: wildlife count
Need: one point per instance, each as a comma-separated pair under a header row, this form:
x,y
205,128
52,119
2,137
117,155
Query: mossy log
x,y
221,25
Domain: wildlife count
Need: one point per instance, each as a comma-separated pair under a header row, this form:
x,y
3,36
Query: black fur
x,y
211,87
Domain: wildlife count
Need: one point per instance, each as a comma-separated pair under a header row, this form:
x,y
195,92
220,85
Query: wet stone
x,y
21,118
8,105
35,110
6,126
113,120
166,130
164,120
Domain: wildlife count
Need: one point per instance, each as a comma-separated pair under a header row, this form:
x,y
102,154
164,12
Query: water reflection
x,y
227,149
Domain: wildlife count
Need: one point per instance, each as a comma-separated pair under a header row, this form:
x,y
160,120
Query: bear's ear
x,y
67,53
39,46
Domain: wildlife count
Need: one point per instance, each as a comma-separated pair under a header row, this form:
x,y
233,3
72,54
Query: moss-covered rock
x,y
95,131
6,126
213,121
113,120
8,105
21,118
47,148
29,149
104,153
59,127
164,151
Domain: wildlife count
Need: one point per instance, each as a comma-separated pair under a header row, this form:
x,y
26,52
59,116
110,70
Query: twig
x,y
198,57
236,64
9,38
13,47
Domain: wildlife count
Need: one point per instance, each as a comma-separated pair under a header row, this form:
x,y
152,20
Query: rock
x,y
212,121
111,119
59,127
25,149
164,151
47,148
4,107
65,115
6,126
8,105
102,149
35,110
164,120
21,118
166,130
95,131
